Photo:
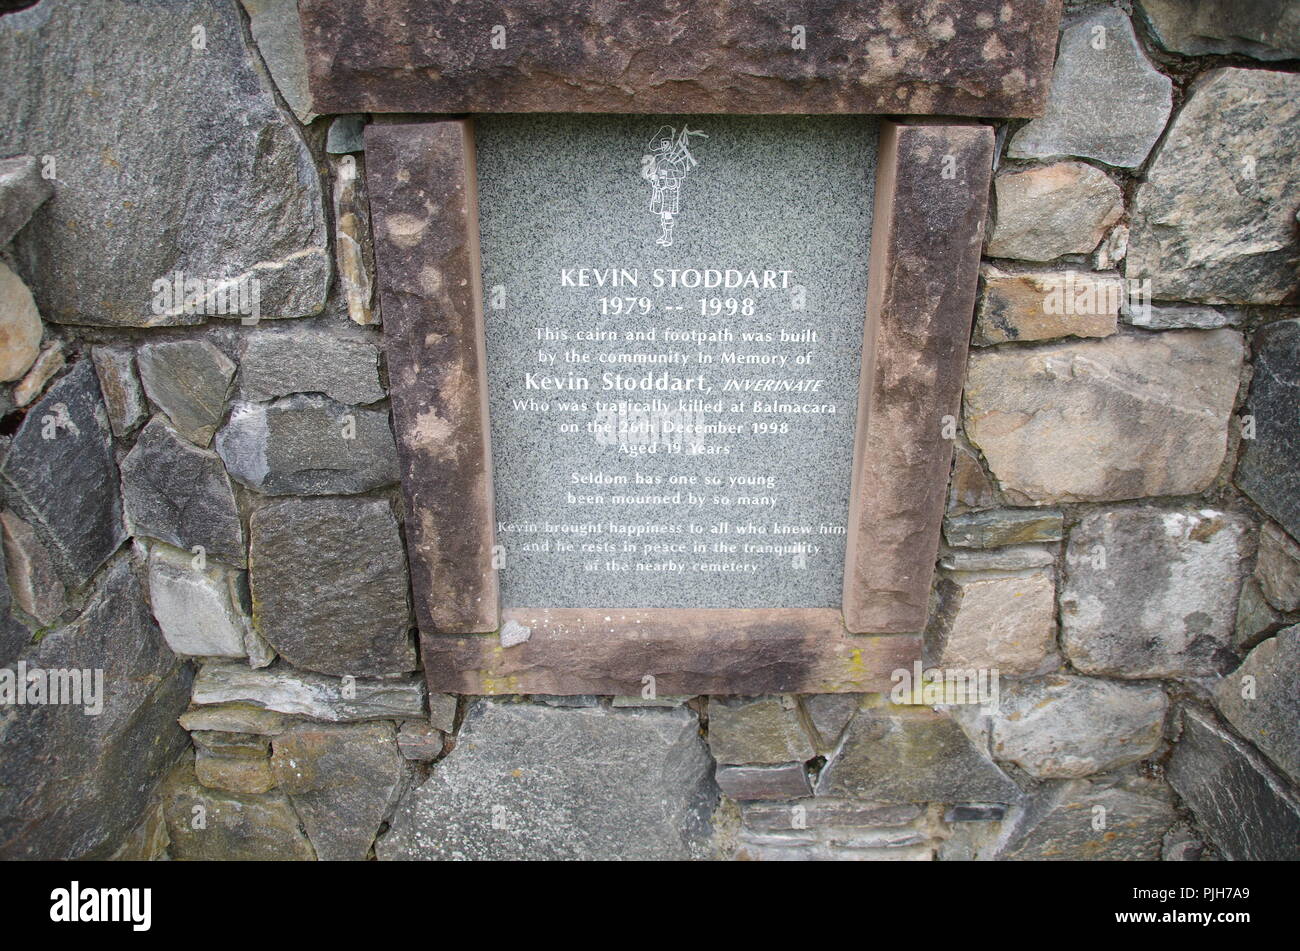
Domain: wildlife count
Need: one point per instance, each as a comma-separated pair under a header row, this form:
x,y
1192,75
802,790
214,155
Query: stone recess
x,y
1264,30
1269,470
188,380
974,57
123,397
329,585
180,494
20,326
895,754
280,364
342,781
22,190
1067,727
1266,708
538,782
1042,305
758,730
1214,220
1007,622
1094,421
330,699
1107,103
72,785
1278,568
1247,813
66,487
1152,592
1058,823
80,102
196,608
278,35
1045,212
308,445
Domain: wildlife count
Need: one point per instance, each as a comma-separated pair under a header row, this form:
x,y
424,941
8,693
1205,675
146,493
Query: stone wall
x,y
201,501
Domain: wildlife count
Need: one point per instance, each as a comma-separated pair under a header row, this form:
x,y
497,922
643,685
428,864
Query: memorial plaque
x,y
674,325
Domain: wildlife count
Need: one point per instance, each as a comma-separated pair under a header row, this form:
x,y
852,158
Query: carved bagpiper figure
x,y
665,168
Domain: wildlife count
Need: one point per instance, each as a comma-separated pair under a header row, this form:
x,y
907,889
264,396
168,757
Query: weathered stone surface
x,y
757,730
329,585
279,364
180,494
781,781
236,774
49,363
22,190
419,741
827,813
912,754
1152,592
1182,316
1269,470
278,35
1002,527
73,785
1262,29
1214,221
1011,558
235,826
1066,727
32,577
188,380
970,488
148,841
353,251
442,712
346,134
538,782
235,718
120,387
1278,568
342,780
1265,709
1247,813
197,609
1255,618
1112,251
1005,622
1042,305
981,58
308,445
226,743
20,326
829,714
1086,821
1091,421
1107,101
1048,211
67,487
331,699
250,209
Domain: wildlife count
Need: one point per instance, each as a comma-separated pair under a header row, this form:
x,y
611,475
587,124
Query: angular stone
x,y
970,488
1067,727
419,741
981,57
1269,470
1086,821
278,35
280,364
342,780
329,585
20,326
829,714
22,190
1003,622
1266,708
911,754
235,718
233,774
120,387
32,577
1043,305
46,367
1011,558
1183,316
188,380
1263,30
196,608
1107,102
442,712
308,445
1213,220
1255,618
1093,421
1278,568
1003,527
1153,592
1048,211
827,813
72,784
537,782
346,135
782,781
67,487
1247,813
180,494
353,251
309,695
235,826
1112,251
757,730
249,209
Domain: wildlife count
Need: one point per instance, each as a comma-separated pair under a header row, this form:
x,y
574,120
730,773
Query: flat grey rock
x,y
1002,527
1278,568
22,191
1085,821
330,699
278,36
196,608
123,396
33,580
346,135
1262,29
189,381
1269,470
758,730
1261,698
1047,211
278,364
1179,316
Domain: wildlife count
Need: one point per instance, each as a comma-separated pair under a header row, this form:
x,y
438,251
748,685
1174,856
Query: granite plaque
x,y
674,311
